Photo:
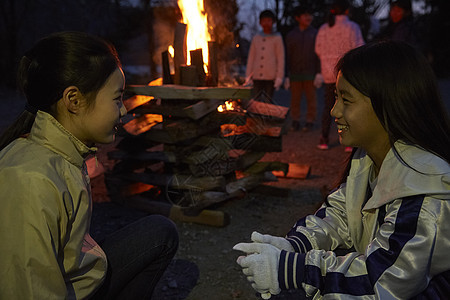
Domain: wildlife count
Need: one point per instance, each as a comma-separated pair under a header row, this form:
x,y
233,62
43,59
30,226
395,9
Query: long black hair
x,y
54,63
404,93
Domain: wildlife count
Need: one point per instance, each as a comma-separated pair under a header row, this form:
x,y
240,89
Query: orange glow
x,y
229,105
195,17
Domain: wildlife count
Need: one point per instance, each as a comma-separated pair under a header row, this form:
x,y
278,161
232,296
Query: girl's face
x,y
358,125
99,122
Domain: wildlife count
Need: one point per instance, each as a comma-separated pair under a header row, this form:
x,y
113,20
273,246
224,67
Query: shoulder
x,y
422,160
31,161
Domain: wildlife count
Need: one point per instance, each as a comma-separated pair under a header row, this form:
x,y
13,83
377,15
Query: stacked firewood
x,y
178,146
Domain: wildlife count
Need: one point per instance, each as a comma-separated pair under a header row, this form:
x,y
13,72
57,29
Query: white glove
x,y
287,83
248,81
260,266
318,80
277,84
279,242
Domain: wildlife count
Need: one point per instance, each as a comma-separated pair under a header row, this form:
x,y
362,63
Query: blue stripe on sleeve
x,y
335,282
291,270
405,229
299,241
321,213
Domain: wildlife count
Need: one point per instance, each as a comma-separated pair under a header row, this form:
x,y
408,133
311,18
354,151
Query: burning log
x,y
179,46
213,74
197,61
167,77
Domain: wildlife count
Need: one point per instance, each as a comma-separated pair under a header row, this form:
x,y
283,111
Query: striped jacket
x,y
397,233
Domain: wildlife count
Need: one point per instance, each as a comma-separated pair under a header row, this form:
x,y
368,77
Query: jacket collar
x,y
48,132
420,172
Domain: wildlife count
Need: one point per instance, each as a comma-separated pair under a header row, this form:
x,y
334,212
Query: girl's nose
x,y
336,111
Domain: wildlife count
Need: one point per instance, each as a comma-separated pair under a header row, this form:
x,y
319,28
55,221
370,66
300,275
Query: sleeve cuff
x,y
291,270
299,242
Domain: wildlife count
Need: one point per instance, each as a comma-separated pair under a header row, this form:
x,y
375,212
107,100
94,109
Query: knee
x,y
162,229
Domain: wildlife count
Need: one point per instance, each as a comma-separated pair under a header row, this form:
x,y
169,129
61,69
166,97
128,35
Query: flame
x,y
229,105
195,17
171,50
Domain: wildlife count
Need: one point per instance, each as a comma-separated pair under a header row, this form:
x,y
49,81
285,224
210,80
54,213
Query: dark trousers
x,y
328,105
297,89
138,255
263,90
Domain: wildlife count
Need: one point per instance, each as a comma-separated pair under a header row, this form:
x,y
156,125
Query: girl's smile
x,y
357,123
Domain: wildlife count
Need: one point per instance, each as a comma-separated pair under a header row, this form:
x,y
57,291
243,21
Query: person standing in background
x,y
333,40
401,25
302,66
265,63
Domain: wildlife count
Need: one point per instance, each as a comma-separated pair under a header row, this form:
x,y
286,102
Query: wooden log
x,y
215,167
179,46
203,200
213,70
247,183
269,166
151,156
136,101
296,171
194,111
167,77
176,181
177,132
267,109
254,126
197,61
176,213
245,141
135,143
189,75
172,91
226,117
142,124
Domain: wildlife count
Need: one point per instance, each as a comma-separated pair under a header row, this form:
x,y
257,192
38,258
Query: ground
x,y
204,266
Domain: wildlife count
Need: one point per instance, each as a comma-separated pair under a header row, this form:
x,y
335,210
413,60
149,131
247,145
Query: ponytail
x,y
22,125
339,7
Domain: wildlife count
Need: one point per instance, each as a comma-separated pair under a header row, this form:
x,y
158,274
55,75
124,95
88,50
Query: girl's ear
x,y
73,99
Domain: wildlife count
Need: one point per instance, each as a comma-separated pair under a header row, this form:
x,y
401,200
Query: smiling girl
x,y
73,83
390,213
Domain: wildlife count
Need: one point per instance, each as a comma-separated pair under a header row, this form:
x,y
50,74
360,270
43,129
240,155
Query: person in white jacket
x,y
333,40
390,213
265,62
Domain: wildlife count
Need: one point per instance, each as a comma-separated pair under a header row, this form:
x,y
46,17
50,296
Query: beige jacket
x,y
46,250
266,57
